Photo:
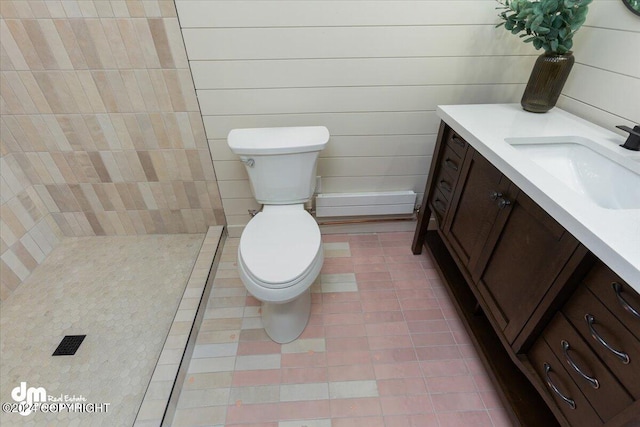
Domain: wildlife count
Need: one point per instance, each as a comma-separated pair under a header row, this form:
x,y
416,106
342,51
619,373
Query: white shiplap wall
x,y
604,85
371,71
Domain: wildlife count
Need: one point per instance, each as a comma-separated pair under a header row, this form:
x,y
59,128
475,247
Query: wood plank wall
x,y
373,72
604,85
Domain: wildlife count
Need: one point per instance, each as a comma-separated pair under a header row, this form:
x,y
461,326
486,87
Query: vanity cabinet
x,y
564,321
509,247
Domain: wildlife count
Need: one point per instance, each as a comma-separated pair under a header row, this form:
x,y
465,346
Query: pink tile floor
x,y
383,347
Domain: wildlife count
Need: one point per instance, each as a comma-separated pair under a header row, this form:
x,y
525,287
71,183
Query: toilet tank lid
x,y
278,140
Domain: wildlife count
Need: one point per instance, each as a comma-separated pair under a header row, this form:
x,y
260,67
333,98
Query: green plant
x,y
548,24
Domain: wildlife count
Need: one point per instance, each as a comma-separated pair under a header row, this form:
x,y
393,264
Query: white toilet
x,y
280,251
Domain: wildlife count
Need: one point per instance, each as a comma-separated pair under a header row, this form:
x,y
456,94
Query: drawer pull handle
x,y
565,349
458,141
445,186
495,195
439,205
617,288
451,164
624,357
567,400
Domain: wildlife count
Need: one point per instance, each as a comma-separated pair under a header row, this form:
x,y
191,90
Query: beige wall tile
x,y
55,44
39,9
55,8
135,191
195,166
12,49
86,43
71,44
91,91
91,197
30,139
16,94
133,90
95,223
148,140
22,40
81,103
99,166
136,8
88,9
172,82
9,281
63,167
95,130
103,196
120,125
110,163
160,133
146,43
186,130
106,91
5,60
11,101
72,9
39,41
119,91
161,90
114,196
104,10
167,7
161,42
8,9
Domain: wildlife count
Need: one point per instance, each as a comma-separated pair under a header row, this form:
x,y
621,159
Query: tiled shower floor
x,y
122,292
384,347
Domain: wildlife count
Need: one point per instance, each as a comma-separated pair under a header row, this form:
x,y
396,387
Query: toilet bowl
x,y
280,252
279,257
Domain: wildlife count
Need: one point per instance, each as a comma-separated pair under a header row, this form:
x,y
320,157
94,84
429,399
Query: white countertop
x,y
613,235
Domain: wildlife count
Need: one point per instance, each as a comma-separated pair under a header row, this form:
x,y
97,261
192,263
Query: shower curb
x,y
161,397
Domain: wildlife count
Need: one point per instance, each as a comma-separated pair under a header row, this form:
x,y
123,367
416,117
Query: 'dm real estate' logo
x,y
35,399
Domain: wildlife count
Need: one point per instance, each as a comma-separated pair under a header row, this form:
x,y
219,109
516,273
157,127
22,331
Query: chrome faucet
x,y
633,142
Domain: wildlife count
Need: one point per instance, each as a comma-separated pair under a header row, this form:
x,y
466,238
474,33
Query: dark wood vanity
x,y
558,331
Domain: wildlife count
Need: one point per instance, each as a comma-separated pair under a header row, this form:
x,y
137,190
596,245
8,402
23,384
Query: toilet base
x,y
285,322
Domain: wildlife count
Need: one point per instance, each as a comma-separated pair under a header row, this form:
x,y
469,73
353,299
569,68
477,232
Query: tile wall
x,y
101,132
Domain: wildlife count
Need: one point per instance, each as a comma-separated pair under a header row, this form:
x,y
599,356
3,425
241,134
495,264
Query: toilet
x,y
280,252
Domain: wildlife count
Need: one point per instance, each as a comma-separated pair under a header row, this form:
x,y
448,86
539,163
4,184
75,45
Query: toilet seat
x,y
280,246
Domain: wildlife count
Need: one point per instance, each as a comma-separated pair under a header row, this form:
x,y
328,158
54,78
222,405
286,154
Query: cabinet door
x,y
474,207
524,254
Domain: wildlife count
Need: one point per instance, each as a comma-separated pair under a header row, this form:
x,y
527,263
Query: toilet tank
x,y
281,162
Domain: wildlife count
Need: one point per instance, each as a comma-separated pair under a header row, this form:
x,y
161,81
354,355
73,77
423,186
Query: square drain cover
x,y
69,345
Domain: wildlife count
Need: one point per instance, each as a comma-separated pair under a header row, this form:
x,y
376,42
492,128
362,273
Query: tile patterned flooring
x,y
383,347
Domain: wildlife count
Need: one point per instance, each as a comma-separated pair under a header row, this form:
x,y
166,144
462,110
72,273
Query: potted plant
x,y
548,25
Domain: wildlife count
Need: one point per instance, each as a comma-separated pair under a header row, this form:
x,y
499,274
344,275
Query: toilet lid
x,y
277,248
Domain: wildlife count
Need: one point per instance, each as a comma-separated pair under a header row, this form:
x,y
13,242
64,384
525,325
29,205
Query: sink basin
x,y
580,165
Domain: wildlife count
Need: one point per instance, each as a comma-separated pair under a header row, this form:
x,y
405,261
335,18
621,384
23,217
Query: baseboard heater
x,y
365,204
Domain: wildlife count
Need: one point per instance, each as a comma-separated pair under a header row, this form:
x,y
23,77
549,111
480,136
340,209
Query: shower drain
x,y
69,345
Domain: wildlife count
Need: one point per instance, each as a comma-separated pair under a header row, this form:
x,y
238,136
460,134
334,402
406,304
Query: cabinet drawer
x,y
618,348
450,163
439,205
559,385
445,183
457,143
599,386
616,295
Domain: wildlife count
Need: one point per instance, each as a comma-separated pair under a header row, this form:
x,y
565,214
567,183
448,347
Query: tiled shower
x,y
101,132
